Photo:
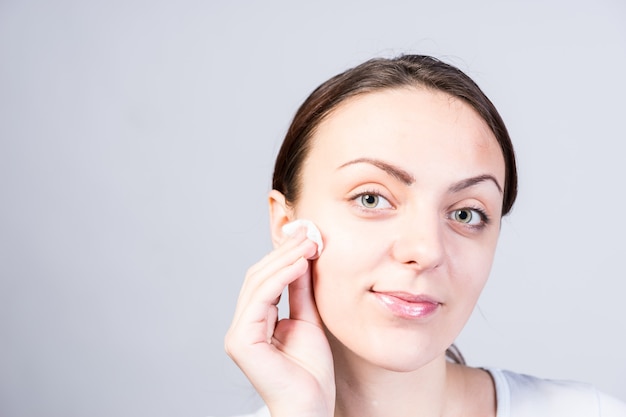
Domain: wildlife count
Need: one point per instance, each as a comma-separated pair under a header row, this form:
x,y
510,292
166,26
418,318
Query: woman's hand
x,y
289,362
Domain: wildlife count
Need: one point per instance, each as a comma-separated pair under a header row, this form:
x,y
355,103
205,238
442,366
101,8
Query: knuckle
x,y
229,345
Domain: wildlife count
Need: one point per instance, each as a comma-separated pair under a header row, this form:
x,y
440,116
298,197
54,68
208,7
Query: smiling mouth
x,y
408,306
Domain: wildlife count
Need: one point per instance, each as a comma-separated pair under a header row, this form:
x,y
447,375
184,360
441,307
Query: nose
x,y
419,241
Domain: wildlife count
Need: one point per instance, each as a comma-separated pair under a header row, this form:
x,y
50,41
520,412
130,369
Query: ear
x,y
280,214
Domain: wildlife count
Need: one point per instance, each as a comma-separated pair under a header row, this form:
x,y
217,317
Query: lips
x,y
408,306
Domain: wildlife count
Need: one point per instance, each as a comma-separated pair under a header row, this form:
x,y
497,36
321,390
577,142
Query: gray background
x,y
136,145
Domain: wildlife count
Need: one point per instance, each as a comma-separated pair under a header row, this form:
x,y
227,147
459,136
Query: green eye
x,y
467,216
463,216
369,200
372,201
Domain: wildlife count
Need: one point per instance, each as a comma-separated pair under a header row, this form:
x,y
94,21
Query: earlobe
x,y
280,214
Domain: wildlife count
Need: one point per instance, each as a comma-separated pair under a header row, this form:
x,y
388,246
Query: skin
x,y
396,181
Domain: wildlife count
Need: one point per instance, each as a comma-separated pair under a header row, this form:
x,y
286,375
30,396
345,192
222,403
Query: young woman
x,y
406,168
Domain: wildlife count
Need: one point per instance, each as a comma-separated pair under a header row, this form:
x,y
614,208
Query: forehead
x,y
417,128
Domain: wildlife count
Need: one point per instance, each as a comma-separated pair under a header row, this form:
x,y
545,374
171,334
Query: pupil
x,y
370,200
463,215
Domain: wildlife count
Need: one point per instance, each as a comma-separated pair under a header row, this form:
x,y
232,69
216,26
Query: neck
x,y
366,390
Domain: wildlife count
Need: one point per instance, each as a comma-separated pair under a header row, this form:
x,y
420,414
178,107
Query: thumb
x,y
301,299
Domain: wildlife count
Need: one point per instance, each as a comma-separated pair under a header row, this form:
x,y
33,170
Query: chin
x,y
387,355
404,362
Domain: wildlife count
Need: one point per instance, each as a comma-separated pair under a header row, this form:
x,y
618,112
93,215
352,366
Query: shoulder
x,y
521,395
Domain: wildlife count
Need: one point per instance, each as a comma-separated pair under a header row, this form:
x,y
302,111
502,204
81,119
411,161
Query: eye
x,y
470,217
371,200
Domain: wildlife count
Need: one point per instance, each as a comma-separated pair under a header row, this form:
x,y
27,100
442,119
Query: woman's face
x,y
406,188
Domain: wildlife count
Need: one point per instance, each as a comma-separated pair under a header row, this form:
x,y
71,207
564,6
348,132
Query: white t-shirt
x,y
527,396
521,395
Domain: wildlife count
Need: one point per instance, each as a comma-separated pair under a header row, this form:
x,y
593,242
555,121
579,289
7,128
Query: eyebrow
x,y
390,169
470,182
409,179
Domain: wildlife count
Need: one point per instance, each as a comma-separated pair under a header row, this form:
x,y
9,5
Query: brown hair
x,y
380,74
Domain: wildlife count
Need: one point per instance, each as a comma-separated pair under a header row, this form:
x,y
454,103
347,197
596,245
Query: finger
x,y
256,311
312,233
272,319
256,320
274,278
253,304
290,241
287,245
293,248
302,300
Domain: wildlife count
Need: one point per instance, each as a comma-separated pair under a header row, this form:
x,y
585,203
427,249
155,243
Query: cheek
x,y
339,264
351,247
344,270
470,265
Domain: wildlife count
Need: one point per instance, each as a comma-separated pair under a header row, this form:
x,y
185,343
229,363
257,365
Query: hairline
x,y
417,85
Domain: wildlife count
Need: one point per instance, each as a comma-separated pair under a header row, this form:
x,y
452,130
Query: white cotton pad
x,y
312,232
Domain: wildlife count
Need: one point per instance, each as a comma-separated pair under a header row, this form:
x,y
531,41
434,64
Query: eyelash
x,y
484,217
355,197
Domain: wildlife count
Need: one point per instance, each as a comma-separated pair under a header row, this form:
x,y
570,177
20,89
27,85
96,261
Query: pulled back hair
x,y
406,71
377,74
